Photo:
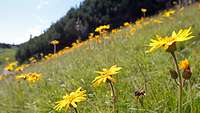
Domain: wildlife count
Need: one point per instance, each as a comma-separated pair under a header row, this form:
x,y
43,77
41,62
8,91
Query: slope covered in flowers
x,y
6,55
125,47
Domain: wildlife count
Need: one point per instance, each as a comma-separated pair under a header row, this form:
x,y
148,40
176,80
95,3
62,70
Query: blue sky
x,y
20,18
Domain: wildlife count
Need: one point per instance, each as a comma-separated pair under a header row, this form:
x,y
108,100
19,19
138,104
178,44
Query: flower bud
x,y
187,74
173,73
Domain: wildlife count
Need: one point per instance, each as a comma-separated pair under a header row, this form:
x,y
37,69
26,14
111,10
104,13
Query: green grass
x,y
72,70
6,53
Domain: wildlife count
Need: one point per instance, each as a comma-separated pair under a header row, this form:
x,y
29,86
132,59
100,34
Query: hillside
x,y
125,48
82,20
6,55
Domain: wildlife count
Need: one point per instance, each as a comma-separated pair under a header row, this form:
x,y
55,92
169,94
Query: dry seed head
x,y
173,73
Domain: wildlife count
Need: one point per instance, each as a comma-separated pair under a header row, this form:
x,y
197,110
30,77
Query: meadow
x,y
125,48
6,55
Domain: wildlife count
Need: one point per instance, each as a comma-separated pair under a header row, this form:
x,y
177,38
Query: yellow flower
x,y
114,30
30,77
168,42
91,36
101,29
143,10
55,42
33,77
168,13
184,64
127,24
22,76
71,100
157,21
139,22
133,30
105,75
11,66
19,68
32,60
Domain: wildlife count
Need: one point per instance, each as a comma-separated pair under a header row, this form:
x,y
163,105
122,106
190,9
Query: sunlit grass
x,y
5,56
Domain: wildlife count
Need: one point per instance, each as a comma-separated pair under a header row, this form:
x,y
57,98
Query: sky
x,y
20,18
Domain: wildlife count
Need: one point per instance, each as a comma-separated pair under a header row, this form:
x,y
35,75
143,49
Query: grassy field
x,y
8,54
139,70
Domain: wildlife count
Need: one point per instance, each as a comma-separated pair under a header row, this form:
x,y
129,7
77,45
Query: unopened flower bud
x,y
187,74
173,74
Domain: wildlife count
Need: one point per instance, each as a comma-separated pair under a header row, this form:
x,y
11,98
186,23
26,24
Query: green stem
x,y
180,94
190,87
113,97
137,104
76,111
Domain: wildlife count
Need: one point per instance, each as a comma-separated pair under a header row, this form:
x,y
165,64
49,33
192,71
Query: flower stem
x,y
76,111
113,97
180,94
144,14
54,48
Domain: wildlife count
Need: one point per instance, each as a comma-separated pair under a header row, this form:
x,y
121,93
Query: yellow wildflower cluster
x,y
21,67
30,77
168,13
32,60
102,29
139,22
127,24
71,100
48,56
11,66
76,44
157,21
91,35
14,67
115,30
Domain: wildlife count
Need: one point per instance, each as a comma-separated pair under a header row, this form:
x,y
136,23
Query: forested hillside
x,y
82,20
